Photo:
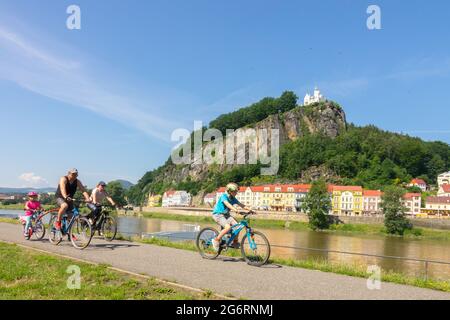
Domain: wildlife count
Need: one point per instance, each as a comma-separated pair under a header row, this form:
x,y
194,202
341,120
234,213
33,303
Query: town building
x,y
316,97
372,202
176,198
444,190
421,184
154,200
413,203
347,200
443,178
437,206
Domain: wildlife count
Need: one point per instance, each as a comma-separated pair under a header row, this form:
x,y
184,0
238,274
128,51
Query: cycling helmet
x,y
231,187
32,194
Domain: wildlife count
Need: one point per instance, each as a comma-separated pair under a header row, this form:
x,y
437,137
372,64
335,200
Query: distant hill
x,y
26,190
315,142
125,184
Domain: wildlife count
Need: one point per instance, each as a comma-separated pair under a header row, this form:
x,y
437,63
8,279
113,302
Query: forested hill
x,y
315,141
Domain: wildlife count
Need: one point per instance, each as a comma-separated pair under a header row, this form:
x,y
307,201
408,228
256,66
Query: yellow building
x,y
154,200
347,200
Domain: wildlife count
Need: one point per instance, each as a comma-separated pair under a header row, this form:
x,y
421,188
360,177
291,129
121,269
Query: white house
x,y
413,202
174,198
372,201
438,205
421,184
444,178
316,97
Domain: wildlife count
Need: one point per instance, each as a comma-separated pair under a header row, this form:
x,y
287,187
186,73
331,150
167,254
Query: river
x,y
280,239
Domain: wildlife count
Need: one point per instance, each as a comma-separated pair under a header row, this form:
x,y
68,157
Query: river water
x,y
282,240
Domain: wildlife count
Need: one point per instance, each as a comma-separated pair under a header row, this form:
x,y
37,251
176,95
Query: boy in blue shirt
x,y
221,213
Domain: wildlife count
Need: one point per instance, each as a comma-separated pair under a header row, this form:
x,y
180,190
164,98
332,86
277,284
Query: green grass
x,y
27,274
356,229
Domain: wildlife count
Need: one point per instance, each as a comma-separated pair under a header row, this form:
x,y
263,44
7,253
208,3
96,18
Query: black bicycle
x,y
105,224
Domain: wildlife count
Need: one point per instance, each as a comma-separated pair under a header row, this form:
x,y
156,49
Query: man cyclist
x,y
67,187
98,195
221,213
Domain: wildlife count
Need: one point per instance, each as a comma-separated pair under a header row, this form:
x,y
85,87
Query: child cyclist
x,y
221,213
31,206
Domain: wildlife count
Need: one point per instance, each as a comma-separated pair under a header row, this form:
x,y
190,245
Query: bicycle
x,y
78,229
105,224
255,248
37,227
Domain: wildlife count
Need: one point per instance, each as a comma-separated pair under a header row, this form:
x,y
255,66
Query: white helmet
x,y
231,187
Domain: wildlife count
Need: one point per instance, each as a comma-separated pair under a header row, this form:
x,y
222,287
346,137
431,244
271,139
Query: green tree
x,y
317,204
395,220
117,193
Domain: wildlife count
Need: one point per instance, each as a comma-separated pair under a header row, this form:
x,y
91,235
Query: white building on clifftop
x,y
316,97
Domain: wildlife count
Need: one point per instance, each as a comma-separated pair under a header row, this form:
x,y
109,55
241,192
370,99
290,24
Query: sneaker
x,y
216,244
235,245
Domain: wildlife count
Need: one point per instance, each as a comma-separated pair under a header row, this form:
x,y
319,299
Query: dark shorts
x,y
61,201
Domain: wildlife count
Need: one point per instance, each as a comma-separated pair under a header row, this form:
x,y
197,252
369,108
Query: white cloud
x,y
33,181
64,79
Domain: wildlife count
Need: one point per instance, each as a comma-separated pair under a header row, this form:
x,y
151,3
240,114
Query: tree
x,y
117,193
395,220
317,204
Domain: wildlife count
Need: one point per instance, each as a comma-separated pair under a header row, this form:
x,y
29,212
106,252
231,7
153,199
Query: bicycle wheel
x,y
109,228
204,243
55,236
39,230
81,233
255,248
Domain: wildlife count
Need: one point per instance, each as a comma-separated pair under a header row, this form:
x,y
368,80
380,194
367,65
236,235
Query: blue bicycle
x,y
255,248
78,229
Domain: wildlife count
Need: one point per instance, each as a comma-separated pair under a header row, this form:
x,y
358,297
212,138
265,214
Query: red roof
x,y
411,195
347,188
372,193
169,193
446,188
445,200
418,181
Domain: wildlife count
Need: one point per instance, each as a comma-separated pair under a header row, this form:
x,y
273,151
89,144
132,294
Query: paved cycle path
x,y
224,275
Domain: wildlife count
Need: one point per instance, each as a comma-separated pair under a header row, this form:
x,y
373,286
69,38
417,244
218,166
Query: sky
x,y
106,98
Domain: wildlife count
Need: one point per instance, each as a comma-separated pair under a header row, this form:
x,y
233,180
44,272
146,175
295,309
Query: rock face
x,y
326,118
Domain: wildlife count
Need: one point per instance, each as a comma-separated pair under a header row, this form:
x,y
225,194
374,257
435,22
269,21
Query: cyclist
x,y
31,207
98,195
221,213
67,187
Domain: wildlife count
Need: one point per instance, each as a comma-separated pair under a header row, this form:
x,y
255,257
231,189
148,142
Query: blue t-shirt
x,y
220,207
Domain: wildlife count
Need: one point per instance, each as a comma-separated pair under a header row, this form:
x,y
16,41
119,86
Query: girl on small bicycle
x,y
221,213
31,206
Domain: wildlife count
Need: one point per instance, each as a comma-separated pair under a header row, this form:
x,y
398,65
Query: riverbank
x,y
21,206
353,270
355,229
30,275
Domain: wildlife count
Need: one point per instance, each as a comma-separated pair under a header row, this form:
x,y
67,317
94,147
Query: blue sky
x,y
106,98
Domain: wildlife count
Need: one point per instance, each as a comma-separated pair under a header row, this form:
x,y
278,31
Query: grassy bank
x,y
355,229
353,270
27,274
